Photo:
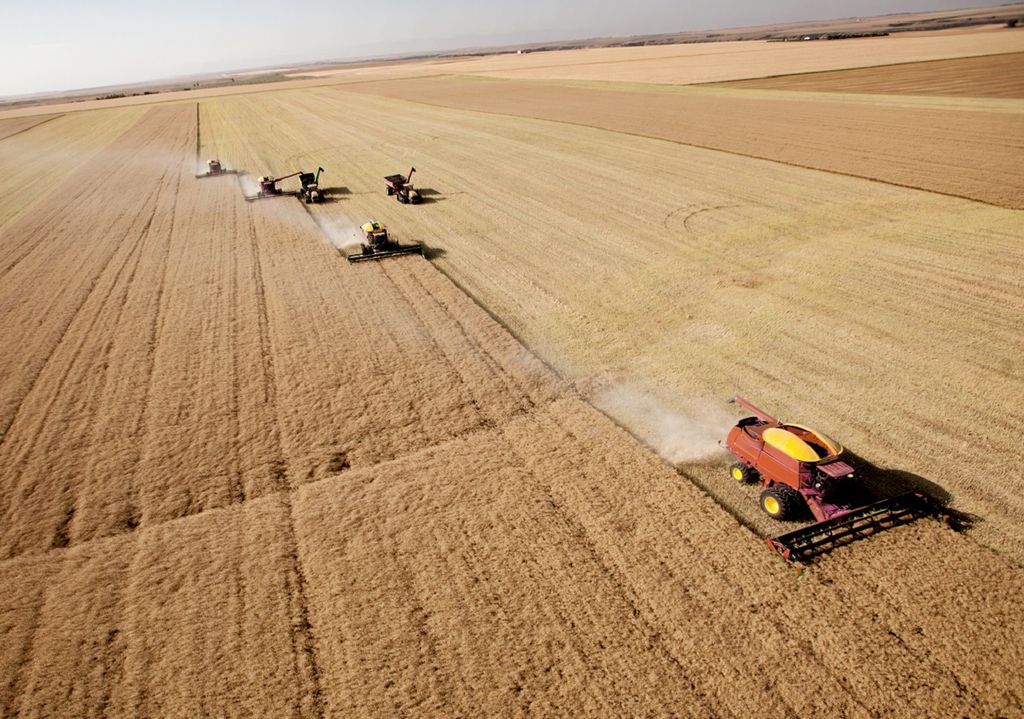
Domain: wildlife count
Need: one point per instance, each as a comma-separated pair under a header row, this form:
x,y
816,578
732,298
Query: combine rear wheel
x,y
742,473
781,501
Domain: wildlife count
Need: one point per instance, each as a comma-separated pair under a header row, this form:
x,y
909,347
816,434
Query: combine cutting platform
x,y
379,245
803,545
215,169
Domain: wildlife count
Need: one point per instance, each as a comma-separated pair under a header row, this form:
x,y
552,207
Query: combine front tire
x,y
742,473
781,501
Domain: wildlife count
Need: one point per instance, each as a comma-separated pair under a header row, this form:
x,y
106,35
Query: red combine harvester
x,y
268,186
310,191
801,469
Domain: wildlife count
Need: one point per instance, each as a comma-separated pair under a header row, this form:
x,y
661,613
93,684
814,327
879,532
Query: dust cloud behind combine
x,y
679,431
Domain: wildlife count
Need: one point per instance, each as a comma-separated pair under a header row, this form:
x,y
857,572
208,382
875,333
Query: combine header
x,y
801,469
401,188
379,245
802,545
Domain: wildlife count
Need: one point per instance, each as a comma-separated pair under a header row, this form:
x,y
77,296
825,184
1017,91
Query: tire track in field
x,y
26,452
39,120
7,419
496,371
303,635
74,194
154,339
54,402
640,615
466,386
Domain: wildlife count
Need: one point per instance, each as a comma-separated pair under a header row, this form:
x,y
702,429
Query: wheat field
x,y
241,477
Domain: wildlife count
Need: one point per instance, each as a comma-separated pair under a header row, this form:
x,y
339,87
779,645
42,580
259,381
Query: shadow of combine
x,y
432,253
883,483
428,195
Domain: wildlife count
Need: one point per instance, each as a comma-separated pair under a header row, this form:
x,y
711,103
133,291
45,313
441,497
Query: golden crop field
x,y
985,76
714,62
969,152
242,477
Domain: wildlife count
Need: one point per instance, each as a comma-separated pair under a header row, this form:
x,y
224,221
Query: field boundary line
x,y
735,153
31,127
729,83
348,476
256,89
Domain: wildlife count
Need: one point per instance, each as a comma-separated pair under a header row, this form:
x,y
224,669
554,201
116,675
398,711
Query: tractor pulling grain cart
x,y
400,187
801,469
310,191
379,244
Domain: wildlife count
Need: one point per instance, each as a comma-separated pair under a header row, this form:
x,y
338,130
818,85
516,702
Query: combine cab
x,y
379,245
801,469
400,187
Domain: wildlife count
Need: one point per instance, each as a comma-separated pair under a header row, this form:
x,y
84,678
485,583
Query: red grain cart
x,y
400,187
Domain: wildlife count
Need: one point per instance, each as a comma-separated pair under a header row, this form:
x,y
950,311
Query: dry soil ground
x,y
241,477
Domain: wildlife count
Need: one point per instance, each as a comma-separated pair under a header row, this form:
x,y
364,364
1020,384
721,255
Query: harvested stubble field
x,y
15,125
988,76
240,477
661,274
719,61
962,151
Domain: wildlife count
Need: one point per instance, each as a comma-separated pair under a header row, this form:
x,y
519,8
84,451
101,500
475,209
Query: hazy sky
x,y
65,44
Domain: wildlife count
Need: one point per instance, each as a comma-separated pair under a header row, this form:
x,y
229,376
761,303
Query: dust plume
x,y
680,431
341,232
249,185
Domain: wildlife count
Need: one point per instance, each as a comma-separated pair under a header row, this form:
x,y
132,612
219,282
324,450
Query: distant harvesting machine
x,y
400,187
214,168
801,469
309,190
379,244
